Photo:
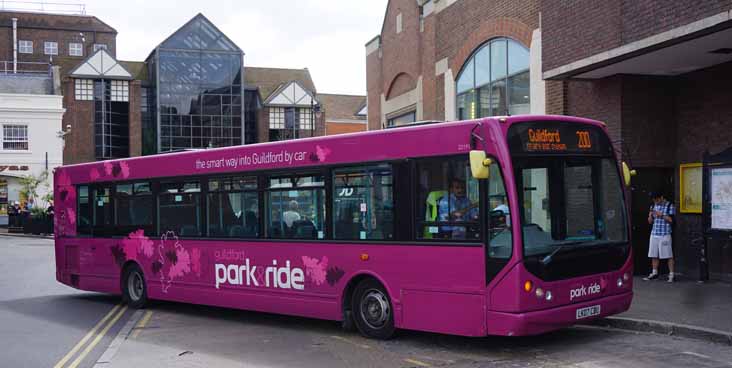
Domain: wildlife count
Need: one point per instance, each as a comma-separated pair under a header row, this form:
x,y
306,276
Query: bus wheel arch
x,y
133,285
369,290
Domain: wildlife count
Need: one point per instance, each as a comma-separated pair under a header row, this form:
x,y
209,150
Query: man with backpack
x,y
661,218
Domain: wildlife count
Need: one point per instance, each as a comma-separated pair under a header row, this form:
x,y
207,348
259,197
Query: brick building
x,y
343,113
656,72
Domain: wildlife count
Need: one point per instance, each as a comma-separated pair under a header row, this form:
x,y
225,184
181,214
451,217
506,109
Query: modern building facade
x,y
656,72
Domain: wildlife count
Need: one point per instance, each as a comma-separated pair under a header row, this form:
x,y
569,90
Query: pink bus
x,y
499,226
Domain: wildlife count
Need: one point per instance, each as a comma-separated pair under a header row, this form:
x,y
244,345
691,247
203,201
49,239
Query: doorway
x,y
646,181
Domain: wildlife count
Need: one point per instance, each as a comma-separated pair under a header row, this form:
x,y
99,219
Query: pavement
x,y
685,308
4,232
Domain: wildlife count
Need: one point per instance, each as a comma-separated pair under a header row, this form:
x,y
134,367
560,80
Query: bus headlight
x,y
626,277
620,282
549,296
539,293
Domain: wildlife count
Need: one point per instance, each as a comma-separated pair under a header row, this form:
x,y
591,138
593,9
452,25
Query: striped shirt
x,y
662,227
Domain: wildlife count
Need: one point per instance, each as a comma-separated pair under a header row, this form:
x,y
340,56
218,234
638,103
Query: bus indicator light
x,y
528,286
364,257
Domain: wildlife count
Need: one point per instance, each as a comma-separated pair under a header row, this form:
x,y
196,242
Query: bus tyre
x,y
134,291
372,310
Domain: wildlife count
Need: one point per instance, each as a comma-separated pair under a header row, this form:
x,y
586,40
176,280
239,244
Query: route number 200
x,y
584,139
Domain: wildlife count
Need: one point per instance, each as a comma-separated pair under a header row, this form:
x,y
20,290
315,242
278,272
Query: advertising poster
x,y
721,187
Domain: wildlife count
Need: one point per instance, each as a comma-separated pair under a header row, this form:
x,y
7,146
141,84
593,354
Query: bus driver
x,y
456,207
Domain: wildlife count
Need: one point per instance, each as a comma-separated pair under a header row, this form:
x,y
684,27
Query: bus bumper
x,y
534,323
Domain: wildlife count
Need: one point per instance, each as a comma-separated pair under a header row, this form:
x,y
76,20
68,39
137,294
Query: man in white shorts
x,y
660,217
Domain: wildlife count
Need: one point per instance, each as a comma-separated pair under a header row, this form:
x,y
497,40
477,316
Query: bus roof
x,y
377,145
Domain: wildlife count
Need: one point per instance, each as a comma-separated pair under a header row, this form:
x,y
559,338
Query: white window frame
x,y
50,48
277,118
83,89
25,46
98,46
306,121
76,49
120,91
19,138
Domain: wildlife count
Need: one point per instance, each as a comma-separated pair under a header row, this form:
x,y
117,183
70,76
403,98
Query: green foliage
x,y
29,186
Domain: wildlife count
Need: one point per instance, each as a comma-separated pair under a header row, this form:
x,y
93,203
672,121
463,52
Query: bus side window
x,y
102,210
233,207
179,208
500,243
133,205
363,203
83,220
448,200
295,207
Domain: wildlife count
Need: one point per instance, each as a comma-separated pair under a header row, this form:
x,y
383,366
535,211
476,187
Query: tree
x,y
29,185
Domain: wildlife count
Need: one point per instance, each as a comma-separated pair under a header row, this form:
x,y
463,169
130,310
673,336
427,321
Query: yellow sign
x,y
690,187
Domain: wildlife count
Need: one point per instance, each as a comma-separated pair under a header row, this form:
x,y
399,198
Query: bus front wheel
x,y
134,290
372,310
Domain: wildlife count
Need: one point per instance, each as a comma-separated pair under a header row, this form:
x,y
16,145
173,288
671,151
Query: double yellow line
x,y
107,322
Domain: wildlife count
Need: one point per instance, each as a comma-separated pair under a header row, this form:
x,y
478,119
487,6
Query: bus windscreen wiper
x,y
548,259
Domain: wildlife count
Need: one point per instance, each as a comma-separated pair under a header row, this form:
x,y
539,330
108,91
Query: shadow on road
x,y
71,310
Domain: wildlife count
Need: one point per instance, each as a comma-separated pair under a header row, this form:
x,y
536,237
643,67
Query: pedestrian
x,y
660,217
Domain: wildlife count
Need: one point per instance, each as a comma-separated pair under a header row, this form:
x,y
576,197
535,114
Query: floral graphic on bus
x,y
65,219
315,269
175,261
137,243
118,170
321,153
333,275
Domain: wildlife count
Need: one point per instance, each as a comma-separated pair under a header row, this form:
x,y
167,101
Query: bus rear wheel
x,y
372,310
134,290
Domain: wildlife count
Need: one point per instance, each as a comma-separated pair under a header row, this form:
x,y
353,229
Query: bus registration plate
x,y
588,312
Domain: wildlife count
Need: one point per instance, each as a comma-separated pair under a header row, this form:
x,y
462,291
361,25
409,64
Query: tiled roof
x,y
81,23
342,107
267,80
138,69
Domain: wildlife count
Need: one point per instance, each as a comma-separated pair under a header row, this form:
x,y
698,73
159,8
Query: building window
x,y
98,46
494,81
50,48
402,119
76,49
111,123
15,137
399,23
120,91
306,118
83,89
277,118
25,47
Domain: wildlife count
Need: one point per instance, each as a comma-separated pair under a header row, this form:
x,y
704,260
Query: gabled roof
x,y
101,65
267,80
342,107
291,93
79,23
199,33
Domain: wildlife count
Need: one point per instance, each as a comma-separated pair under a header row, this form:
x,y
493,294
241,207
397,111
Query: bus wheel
x,y
134,291
372,310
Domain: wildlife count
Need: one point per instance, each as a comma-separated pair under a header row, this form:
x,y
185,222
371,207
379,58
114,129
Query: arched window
x,y
494,81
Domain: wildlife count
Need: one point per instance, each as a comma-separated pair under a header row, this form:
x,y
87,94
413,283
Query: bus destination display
x,y
556,138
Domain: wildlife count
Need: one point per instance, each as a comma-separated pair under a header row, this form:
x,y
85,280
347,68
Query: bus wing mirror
x,y
627,174
480,164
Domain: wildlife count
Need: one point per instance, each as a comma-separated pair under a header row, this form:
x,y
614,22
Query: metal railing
x,y
44,7
25,67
